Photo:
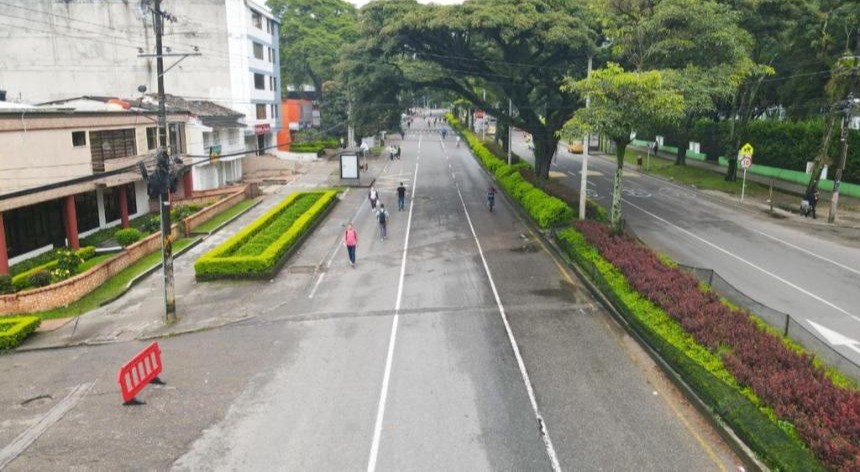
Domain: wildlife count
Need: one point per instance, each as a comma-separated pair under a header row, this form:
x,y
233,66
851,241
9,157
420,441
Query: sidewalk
x,y
139,313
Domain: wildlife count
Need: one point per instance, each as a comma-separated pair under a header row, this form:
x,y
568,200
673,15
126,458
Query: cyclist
x,y
491,197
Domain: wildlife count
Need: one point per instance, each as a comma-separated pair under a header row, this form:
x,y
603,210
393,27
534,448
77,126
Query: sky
x,y
360,3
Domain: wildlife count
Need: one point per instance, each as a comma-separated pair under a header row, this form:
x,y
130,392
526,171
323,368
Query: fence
x,y
782,321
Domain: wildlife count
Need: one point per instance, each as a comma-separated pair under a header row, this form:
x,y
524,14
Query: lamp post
x,y
583,181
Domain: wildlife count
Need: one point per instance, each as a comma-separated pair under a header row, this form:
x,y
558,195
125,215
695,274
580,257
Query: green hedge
x,y
21,281
701,369
258,250
546,210
14,329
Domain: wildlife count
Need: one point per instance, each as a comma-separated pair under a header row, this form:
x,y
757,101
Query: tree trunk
x,y
822,157
615,213
545,146
683,140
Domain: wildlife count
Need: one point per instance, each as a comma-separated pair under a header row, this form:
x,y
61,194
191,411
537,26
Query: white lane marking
x,y
317,285
836,338
547,441
31,434
850,269
389,358
729,253
572,174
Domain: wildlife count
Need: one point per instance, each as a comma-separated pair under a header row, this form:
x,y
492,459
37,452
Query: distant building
x,y
56,49
70,169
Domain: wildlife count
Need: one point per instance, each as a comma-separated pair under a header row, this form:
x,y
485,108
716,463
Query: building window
x,y
258,50
259,81
151,138
272,84
177,138
257,19
274,110
87,210
111,144
261,111
79,138
271,55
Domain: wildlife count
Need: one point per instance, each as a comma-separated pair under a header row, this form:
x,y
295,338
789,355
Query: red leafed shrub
x,y
826,417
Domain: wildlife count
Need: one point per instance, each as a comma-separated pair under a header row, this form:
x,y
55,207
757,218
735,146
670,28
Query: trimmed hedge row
x,y
21,281
704,371
546,210
14,329
257,250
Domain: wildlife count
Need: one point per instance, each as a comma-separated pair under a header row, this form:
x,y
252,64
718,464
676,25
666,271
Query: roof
x,y
210,113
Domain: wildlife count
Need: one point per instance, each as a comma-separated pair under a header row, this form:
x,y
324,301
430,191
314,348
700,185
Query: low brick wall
x,y
74,288
207,213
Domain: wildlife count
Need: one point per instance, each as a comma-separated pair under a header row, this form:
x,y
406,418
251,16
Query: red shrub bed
x,y
826,417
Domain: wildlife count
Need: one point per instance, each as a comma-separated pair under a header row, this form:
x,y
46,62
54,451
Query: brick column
x,y
4,255
188,183
123,205
71,222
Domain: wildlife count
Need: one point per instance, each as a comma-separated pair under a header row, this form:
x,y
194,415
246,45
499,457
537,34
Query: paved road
x,y
809,275
414,360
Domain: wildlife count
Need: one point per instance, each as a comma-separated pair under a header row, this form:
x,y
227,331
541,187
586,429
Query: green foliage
x,y
33,262
14,329
21,281
257,250
128,236
6,284
86,253
40,278
180,212
67,265
774,441
151,224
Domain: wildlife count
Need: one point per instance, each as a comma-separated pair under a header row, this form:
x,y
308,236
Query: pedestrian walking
x,y
401,197
382,218
350,240
397,154
391,152
373,196
812,197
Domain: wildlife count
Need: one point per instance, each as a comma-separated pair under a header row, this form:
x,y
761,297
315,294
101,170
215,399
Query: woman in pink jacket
x,y
350,239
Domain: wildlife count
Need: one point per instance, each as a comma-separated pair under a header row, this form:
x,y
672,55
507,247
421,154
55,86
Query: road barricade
x,y
141,370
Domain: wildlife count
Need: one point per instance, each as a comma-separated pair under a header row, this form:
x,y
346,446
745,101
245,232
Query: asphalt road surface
x,y
458,343
812,277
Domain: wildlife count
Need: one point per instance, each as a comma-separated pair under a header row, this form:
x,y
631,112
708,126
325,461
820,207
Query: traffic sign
x,y
747,150
746,161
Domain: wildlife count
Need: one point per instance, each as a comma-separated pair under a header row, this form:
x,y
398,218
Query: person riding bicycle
x,y
491,197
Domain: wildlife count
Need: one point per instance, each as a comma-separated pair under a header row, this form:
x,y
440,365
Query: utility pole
x,y
510,127
164,163
583,181
484,120
848,109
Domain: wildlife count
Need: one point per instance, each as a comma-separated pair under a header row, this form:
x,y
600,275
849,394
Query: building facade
x,y
68,171
95,48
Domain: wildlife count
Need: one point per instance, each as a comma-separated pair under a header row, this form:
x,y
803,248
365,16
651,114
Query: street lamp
x,y
583,181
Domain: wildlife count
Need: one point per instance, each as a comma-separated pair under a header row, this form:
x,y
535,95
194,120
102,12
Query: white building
x,y
52,50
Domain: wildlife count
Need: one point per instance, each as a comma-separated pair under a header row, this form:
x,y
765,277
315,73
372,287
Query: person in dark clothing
x,y
812,197
401,197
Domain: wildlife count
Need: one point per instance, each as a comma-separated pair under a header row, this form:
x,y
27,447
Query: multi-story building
x,y
52,50
71,169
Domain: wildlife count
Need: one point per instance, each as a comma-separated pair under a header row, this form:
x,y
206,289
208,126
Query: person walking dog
x,y
350,240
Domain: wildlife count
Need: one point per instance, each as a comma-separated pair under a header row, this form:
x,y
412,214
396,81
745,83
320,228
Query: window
x,y
259,81
258,50
111,144
271,55
177,138
261,111
151,138
35,226
257,19
79,138
273,83
274,110
87,210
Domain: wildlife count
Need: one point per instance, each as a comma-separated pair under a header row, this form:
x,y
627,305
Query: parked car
x,y
574,147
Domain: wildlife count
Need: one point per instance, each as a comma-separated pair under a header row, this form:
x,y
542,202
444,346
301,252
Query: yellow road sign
x,y
747,150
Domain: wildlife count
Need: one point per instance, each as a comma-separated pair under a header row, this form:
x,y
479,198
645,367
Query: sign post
x,y
745,156
349,168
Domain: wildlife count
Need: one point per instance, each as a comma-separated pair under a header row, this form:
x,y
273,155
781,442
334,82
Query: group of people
x,y
350,237
393,152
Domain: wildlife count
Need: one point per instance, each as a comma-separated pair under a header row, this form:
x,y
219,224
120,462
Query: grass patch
x,y
94,261
224,216
112,287
703,179
14,329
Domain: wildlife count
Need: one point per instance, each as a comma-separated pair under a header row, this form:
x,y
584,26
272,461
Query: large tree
x,y
512,50
620,103
698,43
313,33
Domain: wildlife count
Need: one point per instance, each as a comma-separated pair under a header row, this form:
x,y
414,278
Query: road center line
x,y
850,269
729,253
544,432
389,358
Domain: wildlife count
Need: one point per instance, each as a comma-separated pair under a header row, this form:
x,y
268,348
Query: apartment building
x,y
53,50
70,169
